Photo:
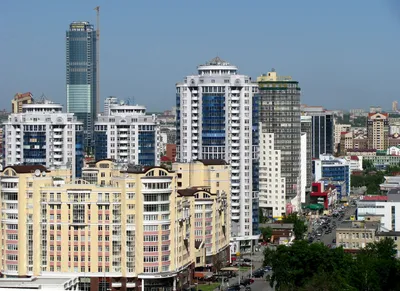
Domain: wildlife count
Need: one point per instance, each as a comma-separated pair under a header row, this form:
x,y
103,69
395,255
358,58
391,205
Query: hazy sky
x,y
344,53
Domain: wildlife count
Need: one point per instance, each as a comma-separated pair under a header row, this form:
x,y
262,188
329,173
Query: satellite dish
x,y
44,174
37,173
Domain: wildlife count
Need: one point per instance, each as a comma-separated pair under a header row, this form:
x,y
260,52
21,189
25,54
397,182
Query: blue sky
x,y
345,54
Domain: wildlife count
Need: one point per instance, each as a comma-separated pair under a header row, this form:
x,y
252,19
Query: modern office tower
x,y
306,127
132,229
19,100
214,121
335,170
127,136
44,135
108,103
81,70
378,131
322,130
280,139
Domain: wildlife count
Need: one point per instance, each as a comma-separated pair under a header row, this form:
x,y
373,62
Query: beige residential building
x,y
346,142
131,229
339,128
354,235
378,131
19,100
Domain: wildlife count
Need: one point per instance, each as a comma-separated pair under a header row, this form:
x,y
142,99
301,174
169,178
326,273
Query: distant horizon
x,y
339,64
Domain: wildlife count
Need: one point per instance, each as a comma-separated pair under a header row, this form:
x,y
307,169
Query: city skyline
x,y
321,59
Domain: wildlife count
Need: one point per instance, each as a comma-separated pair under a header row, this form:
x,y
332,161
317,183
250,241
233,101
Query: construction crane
x,y
97,59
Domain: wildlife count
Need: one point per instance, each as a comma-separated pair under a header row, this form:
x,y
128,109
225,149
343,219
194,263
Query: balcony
x,y
58,136
123,135
235,92
116,284
235,217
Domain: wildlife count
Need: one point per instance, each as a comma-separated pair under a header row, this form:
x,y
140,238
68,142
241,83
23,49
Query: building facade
x,y
378,131
19,100
43,135
334,169
322,133
339,128
81,75
306,127
131,229
127,135
214,121
281,127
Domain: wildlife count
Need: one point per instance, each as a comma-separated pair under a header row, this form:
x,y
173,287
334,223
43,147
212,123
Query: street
x,y
327,238
260,284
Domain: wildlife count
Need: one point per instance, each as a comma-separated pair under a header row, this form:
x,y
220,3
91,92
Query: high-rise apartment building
x,y
44,135
81,75
110,101
214,121
322,133
378,131
280,132
306,127
19,100
115,229
127,135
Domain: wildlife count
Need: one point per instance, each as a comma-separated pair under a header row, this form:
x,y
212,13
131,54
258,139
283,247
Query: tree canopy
x,y
299,225
315,267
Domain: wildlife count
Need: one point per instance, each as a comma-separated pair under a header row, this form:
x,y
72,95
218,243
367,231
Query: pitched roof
x,y
26,169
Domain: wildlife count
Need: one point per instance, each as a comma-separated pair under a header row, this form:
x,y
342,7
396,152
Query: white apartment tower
x,y
43,135
127,135
215,121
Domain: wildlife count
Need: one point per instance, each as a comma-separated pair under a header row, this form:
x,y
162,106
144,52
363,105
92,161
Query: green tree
x,y
299,225
266,232
316,267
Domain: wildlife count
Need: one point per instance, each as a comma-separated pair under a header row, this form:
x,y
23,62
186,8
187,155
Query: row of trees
x,y
314,267
299,227
372,178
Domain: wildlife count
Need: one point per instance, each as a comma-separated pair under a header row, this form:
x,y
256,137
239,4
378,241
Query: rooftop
x,y
355,224
26,169
213,162
217,61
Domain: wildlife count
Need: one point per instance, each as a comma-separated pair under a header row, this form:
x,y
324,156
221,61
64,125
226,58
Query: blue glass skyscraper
x,y
81,75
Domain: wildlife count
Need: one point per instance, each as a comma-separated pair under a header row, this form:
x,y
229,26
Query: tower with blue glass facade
x,y
43,135
216,119
81,75
127,135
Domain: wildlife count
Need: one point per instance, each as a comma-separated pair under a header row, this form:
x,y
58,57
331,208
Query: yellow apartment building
x,y
378,131
122,229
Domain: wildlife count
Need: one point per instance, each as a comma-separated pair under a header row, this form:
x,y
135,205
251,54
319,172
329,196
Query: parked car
x,y
247,260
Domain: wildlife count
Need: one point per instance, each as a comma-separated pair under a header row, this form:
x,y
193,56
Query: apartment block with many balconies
x,y
131,228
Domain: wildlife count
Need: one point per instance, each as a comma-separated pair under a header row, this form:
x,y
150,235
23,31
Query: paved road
x,y
260,284
327,239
